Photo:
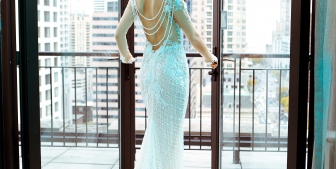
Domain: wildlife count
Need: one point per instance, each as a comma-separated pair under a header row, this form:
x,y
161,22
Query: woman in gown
x,y
164,76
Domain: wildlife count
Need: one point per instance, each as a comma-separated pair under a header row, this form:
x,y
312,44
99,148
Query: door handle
x,y
213,73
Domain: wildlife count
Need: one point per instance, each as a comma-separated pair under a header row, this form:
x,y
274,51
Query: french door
x,y
259,111
77,99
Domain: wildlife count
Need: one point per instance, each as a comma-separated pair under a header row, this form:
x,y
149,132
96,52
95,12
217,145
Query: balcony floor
x,y
107,158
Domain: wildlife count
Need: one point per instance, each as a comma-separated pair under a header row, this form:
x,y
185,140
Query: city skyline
x,y
83,30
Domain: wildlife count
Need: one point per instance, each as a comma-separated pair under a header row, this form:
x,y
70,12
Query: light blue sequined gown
x,y
164,85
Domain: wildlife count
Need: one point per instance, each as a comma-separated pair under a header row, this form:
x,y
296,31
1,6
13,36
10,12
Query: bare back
x,y
149,9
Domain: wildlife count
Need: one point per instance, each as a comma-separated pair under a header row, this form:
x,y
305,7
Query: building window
x,y
55,16
112,6
55,61
39,80
56,77
229,39
104,26
229,46
208,39
229,79
105,19
38,15
47,62
55,3
208,26
229,33
104,43
48,110
46,32
47,94
46,3
38,32
230,1
209,33
47,47
55,31
55,46
47,79
209,14
46,16
102,35
56,91
56,106
230,8
230,14
230,20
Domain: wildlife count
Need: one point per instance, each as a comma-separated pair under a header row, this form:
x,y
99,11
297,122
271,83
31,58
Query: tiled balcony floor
x,y
107,158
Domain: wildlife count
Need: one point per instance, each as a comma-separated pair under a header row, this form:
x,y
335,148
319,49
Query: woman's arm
x,y
183,20
125,23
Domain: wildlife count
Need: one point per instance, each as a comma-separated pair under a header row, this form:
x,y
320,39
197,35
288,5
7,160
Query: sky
x,y
261,17
81,6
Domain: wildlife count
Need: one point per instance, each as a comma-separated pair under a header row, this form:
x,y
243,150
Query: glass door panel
x,y
78,82
255,45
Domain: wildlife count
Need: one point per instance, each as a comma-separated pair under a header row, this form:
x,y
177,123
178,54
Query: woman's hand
x,y
127,60
214,61
214,65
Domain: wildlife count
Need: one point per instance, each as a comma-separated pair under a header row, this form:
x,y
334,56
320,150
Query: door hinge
x,y
18,60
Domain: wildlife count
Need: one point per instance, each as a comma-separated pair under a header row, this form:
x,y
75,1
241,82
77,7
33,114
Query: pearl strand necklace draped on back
x,y
163,14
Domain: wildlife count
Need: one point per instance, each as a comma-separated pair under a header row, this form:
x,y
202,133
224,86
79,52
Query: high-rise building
x,y
50,80
63,26
234,36
281,36
105,83
80,34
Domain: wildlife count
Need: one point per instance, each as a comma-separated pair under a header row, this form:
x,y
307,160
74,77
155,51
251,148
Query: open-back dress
x,y
164,85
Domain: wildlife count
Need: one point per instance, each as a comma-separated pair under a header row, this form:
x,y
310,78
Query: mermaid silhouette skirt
x,y
164,85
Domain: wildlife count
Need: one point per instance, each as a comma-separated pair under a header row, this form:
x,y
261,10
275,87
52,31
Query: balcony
x,y
77,157
89,82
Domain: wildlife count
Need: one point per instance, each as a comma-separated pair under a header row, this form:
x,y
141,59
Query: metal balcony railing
x,y
90,126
